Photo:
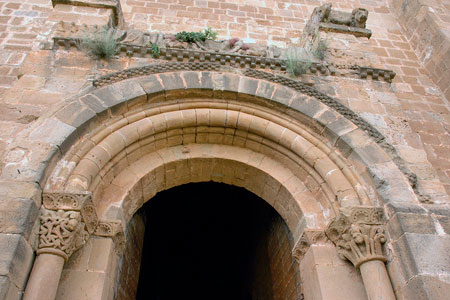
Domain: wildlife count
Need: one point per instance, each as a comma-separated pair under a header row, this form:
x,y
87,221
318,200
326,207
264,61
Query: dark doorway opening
x,y
211,241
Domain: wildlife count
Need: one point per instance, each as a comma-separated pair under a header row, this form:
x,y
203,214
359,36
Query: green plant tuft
x,y
210,34
320,49
100,44
156,51
192,37
298,61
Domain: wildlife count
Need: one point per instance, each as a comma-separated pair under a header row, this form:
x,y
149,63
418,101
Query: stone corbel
x,y
67,220
114,230
309,237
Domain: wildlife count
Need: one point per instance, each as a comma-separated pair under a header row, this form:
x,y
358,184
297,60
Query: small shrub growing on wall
x,y
192,37
100,44
298,61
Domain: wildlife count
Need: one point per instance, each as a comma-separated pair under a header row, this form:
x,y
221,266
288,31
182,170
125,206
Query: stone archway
x,y
124,142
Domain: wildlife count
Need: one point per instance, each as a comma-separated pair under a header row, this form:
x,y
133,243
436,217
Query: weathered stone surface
x,y
16,258
423,254
402,223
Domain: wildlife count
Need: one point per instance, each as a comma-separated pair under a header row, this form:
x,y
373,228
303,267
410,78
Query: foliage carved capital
x,y
62,232
358,233
66,222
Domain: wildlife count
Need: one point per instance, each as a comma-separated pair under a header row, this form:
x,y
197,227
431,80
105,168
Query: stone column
x,y
67,220
358,233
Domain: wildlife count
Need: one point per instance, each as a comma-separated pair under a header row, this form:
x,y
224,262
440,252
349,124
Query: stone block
x,y
151,85
401,223
247,86
89,285
108,95
423,254
75,114
93,103
17,215
425,288
52,131
265,89
16,259
283,95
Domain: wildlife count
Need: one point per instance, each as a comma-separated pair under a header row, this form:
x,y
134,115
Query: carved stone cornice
x,y
67,219
358,233
309,237
114,230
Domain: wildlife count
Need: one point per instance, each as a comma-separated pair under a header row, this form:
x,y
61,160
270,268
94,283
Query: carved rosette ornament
x,y
358,234
67,220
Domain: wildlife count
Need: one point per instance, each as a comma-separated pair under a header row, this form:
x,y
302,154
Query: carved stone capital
x,y
81,202
114,230
67,219
61,233
309,237
358,233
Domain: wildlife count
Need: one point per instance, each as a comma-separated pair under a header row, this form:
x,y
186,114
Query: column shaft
x,y
376,280
44,278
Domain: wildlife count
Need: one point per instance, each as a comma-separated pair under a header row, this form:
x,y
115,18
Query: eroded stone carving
x,y
61,232
309,237
327,19
358,234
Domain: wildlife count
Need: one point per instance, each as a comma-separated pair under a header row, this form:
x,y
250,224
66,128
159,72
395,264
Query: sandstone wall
x,y
409,37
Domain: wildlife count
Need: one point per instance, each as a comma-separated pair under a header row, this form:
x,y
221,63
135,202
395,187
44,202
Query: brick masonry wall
x,y
128,270
278,279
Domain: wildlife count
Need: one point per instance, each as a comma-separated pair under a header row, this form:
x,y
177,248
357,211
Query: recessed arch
x,y
150,123
116,125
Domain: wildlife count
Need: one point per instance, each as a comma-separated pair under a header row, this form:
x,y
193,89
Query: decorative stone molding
x,y
114,230
114,5
358,234
309,237
67,220
136,43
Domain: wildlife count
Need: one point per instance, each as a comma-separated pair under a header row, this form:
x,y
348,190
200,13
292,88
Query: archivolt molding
x,y
258,74
119,123
228,123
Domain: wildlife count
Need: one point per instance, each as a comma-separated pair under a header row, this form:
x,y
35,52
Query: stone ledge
x,y
231,59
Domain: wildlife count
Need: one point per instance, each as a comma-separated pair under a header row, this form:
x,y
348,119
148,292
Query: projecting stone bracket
x,y
114,230
308,238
